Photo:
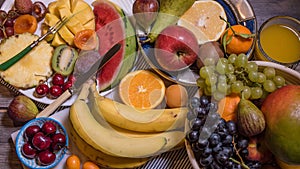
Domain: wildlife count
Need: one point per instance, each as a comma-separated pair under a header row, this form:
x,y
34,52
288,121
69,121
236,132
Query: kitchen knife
x,y
79,81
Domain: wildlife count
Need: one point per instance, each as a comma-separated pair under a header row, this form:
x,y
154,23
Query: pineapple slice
x,y
32,68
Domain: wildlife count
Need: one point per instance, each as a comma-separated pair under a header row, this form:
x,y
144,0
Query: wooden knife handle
x,y
54,105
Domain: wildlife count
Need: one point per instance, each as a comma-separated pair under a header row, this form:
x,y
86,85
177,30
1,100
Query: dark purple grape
x,y
231,126
214,139
196,124
204,100
221,157
194,102
227,140
242,144
244,152
193,136
217,148
9,31
202,143
9,22
206,161
206,152
191,115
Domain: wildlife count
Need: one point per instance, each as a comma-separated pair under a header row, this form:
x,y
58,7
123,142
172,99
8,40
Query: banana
x,y
101,158
124,116
109,141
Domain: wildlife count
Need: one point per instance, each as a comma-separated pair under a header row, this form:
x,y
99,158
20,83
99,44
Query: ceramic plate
x,y
8,4
237,12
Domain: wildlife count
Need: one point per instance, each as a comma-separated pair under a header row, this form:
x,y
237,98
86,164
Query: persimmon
x,y
25,23
86,39
227,107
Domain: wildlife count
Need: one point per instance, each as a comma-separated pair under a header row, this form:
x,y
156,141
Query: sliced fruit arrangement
x,y
81,17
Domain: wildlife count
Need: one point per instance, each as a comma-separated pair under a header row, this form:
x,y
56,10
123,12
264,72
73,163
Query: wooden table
x,y
263,9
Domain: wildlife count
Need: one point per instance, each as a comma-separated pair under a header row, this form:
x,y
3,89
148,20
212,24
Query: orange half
x,y
142,89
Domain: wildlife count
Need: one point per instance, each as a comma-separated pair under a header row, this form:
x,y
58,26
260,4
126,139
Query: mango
x,y
281,109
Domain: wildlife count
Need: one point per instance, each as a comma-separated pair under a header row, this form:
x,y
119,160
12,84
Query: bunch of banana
x,y
93,133
81,17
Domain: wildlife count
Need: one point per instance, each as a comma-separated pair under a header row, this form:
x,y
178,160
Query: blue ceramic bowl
x,y
20,140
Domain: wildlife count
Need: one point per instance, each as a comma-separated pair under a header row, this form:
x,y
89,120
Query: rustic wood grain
x,y
263,10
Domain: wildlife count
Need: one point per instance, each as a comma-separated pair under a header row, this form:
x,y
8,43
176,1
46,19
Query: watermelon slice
x,y
111,29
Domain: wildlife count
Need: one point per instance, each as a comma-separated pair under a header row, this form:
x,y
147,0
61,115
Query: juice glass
x,y
278,40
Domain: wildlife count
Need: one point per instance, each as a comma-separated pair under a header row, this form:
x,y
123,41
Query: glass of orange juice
x,y
278,40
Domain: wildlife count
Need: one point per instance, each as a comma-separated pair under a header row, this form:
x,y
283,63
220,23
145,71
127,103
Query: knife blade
x,y
80,80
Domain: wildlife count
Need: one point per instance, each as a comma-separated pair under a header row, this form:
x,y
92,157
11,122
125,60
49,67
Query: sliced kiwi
x,y
63,59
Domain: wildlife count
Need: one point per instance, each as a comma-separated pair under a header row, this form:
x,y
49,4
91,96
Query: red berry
x,y
41,90
28,150
59,141
71,78
31,131
58,79
40,141
46,157
48,128
67,85
55,91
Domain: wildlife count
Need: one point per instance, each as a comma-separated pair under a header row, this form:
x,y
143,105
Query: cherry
x,y
59,141
41,90
28,150
71,78
67,85
31,131
55,91
48,128
40,141
46,157
58,79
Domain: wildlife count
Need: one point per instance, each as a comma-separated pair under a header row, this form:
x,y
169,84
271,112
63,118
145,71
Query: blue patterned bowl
x,y
20,140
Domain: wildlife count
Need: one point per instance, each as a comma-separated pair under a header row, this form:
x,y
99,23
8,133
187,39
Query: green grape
x,y
211,80
246,92
218,95
222,87
229,68
207,92
209,61
279,80
201,83
261,78
228,92
252,66
269,72
205,72
232,58
253,76
241,60
256,92
231,78
269,86
212,88
237,86
223,60
222,78
221,67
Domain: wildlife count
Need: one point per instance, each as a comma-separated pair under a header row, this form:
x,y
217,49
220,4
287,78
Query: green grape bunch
x,y
236,74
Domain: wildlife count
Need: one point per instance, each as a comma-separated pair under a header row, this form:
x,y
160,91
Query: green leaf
x,y
229,40
245,36
224,43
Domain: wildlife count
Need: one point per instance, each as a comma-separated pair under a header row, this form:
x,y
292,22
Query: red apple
x,y
176,48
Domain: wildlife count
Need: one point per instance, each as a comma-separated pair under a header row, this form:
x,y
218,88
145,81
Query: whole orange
x,y
237,44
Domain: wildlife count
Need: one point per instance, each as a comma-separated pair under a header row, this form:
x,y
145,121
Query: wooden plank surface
x,y
263,10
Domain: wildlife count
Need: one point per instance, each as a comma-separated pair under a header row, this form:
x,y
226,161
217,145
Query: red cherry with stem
x,y
58,79
55,91
59,141
28,150
40,141
41,90
46,157
67,85
71,78
48,128
31,131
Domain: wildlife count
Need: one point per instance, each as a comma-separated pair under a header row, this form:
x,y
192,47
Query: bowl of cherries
x,y
41,143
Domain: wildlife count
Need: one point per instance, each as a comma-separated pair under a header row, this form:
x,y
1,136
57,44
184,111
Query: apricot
x,y
90,165
25,23
176,96
86,39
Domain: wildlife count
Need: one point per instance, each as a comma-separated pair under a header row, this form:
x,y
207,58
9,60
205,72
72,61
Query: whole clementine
x,y
237,44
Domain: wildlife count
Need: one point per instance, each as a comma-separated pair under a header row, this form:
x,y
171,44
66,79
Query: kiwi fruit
x,y
63,59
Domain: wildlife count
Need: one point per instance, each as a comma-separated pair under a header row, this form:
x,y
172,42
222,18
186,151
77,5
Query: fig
x,y
22,109
63,59
250,119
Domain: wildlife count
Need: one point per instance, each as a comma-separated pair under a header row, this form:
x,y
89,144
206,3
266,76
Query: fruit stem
x,y
238,154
